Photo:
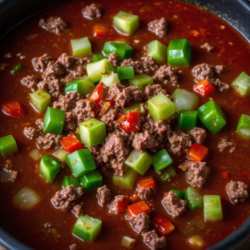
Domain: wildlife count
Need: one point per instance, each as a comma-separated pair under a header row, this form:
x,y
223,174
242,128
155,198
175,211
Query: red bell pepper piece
x,y
134,198
122,205
137,208
162,225
225,174
205,88
147,182
197,152
130,122
102,31
71,143
13,108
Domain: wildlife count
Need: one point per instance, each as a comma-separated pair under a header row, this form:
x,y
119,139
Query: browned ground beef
x,y
84,110
30,81
115,60
159,27
113,205
63,199
49,141
30,132
224,144
51,86
153,90
73,247
104,195
180,142
54,70
237,191
166,75
40,63
141,223
144,140
197,173
8,175
51,232
110,118
207,46
66,60
146,193
198,134
53,24
92,11
77,210
154,241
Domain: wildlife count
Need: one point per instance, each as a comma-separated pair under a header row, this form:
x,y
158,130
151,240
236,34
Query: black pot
x,y
235,12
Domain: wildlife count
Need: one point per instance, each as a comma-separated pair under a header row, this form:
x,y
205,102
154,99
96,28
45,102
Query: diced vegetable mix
x,y
71,143
13,108
135,108
82,86
49,168
205,88
147,182
126,181
97,57
40,99
60,154
110,79
141,81
128,242
157,51
168,173
81,47
197,152
122,49
130,122
91,181
16,68
187,119
8,145
162,225
193,198
161,160
70,181
125,72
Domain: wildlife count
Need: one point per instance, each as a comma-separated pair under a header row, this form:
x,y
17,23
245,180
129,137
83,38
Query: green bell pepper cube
x,y
243,127
179,52
16,68
40,99
180,193
212,208
96,70
122,49
212,116
140,162
60,154
141,81
70,181
187,119
126,22
53,121
136,107
193,198
81,47
110,79
97,57
80,162
161,160
160,107
125,72
157,51
127,181
82,86
242,84
87,228
168,173
49,168
8,145
93,132
91,181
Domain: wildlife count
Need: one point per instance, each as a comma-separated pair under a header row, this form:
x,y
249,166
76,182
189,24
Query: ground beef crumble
x,y
159,27
53,24
73,247
225,144
110,118
49,141
180,142
114,60
40,63
30,81
104,195
92,11
153,90
8,175
113,206
30,132
146,193
166,75
154,241
198,134
237,191
207,46
77,210
141,223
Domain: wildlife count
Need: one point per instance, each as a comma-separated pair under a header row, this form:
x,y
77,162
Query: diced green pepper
x,y
40,99
53,121
8,145
157,51
243,127
70,181
91,181
122,49
16,68
138,106
140,162
180,193
141,81
80,162
49,168
97,57
110,79
212,116
179,52
93,132
168,173
212,208
161,160
160,107
126,181
187,119
184,99
126,22
77,133
96,70
60,154
87,228
242,84
81,47
193,198
125,72
82,86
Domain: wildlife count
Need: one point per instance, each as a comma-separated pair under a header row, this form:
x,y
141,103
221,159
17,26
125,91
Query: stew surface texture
x,y
171,172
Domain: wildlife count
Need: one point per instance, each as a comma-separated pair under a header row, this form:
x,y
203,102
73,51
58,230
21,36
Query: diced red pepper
x,y
147,182
205,88
134,198
162,225
197,152
137,208
102,31
225,174
130,122
13,108
71,143
122,205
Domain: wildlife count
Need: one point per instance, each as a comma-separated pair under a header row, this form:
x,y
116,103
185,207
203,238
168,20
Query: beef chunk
x,y
166,75
153,90
63,199
219,69
54,70
207,46
110,119
53,24
66,60
114,204
104,195
49,141
224,144
154,241
125,96
51,86
92,11
198,134
159,27
223,87
73,247
197,173
141,223
237,191
144,140
30,82
77,210
180,142
146,193
173,204
70,122
40,63
8,175
31,132
84,110
39,123
115,60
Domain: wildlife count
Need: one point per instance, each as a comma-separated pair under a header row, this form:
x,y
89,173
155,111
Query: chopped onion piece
x,y
26,198
104,108
60,154
128,242
183,168
196,241
35,155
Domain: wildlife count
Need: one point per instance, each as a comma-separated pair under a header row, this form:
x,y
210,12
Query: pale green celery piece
x,y
128,242
212,208
85,86
157,51
242,84
81,47
110,79
141,81
40,100
136,107
60,154
126,181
